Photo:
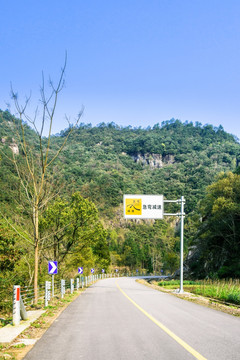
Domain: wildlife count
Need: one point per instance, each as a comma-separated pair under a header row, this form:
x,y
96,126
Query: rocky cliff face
x,y
154,161
14,148
13,145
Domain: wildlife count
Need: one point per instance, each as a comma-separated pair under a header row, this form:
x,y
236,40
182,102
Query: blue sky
x,y
135,62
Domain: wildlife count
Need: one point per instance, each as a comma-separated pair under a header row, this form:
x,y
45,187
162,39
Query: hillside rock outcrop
x,y
154,161
13,145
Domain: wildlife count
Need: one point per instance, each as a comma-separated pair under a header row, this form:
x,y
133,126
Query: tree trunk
x,y
36,274
36,242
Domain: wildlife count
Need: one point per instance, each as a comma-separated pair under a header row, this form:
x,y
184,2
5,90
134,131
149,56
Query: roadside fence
x,y
23,297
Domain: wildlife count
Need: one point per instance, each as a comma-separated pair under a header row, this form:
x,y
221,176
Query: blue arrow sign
x,y
52,267
116,270
103,270
80,270
92,271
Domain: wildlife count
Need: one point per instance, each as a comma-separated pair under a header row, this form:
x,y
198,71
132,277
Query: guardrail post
x,y
16,304
77,285
23,312
72,286
62,288
47,292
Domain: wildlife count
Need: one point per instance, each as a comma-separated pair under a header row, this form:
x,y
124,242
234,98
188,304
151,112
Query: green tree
x,y
9,257
71,229
35,172
218,239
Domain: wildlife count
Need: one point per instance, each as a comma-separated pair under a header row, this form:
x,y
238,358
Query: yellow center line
x,y
164,328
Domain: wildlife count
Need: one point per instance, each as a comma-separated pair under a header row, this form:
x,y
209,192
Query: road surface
x,y
120,319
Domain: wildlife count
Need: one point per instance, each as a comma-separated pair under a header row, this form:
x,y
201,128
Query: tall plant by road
x,y
34,164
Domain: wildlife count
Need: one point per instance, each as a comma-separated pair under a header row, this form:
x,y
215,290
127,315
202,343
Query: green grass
x,y
224,290
176,283
12,357
19,346
36,325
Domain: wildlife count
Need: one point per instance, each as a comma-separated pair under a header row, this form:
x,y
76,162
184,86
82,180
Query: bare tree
x,y
37,180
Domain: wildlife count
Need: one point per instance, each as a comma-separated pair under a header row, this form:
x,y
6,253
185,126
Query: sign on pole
x,y
151,207
143,206
80,270
92,271
52,267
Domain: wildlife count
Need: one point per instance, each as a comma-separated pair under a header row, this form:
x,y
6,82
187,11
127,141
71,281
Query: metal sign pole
x,y
181,214
181,245
53,286
152,207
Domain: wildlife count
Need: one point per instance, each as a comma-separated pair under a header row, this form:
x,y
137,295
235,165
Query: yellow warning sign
x,y
133,207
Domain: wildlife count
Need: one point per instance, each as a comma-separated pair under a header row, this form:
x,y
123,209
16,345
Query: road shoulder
x,y
23,343
210,303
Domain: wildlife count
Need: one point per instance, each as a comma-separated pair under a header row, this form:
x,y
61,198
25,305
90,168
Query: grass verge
x,y
191,294
224,290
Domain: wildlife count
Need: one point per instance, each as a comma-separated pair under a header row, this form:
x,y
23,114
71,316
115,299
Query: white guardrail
x,y
23,297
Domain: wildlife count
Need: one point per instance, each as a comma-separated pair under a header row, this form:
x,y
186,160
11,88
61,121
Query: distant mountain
x,y
107,161
173,159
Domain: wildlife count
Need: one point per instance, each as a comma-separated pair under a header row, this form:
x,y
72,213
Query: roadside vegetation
x,y
227,291
82,222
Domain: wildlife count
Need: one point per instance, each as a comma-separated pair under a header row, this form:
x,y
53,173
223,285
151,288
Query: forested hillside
x,y
97,166
172,159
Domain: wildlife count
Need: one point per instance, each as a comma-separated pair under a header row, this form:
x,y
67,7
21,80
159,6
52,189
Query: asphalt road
x,y
119,319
